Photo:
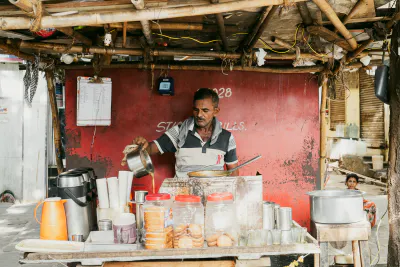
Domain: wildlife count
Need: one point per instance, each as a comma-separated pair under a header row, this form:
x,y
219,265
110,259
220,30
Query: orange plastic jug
x,y
54,223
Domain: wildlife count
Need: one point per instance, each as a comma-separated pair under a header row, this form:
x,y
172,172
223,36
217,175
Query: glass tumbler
x,y
276,236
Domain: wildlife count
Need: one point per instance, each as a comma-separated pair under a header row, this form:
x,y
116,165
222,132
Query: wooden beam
x,y
360,20
331,15
12,23
329,36
312,69
139,4
305,13
323,126
55,119
27,6
8,49
255,27
262,28
359,50
213,263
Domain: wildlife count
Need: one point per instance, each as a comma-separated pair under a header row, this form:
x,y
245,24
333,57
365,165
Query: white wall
x,y
23,159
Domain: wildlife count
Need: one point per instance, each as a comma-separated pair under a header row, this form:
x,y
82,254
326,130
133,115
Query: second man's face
x,y
204,112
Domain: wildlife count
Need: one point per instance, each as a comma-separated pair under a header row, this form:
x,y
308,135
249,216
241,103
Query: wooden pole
x,y
395,18
356,8
221,28
393,258
139,4
322,143
282,43
55,119
164,26
312,69
305,13
359,50
330,13
329,36
155,52
92,18
8,49
27,7
262,28
255,27
124,35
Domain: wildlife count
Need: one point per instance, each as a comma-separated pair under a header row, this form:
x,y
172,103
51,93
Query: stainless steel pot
x,y
336,206
139,162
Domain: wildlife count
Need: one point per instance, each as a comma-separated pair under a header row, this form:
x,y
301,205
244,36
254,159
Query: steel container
x,y
336,206
268,215
285,218
139,162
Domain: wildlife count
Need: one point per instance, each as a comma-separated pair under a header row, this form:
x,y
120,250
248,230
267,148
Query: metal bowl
x,y
139,162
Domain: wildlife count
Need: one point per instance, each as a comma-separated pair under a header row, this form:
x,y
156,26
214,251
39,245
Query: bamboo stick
x,y
255,28
280,70
262,28
359,50
356,8
330,13
27,6
165,26
61,48
282,43
221,27
305,13
55,119
124,34
12,51
86,19
139,4
322,142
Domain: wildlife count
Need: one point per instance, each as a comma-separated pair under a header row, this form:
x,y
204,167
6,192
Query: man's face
x,y
204,112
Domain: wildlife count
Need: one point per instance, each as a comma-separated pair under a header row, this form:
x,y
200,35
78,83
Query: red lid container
x,y
156,197
216,197
187,198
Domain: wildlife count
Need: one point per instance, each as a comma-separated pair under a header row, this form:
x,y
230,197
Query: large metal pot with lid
x,y
139,162
73,188
336,206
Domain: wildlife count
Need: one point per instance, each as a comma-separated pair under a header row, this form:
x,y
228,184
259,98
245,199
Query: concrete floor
x,y
17,223
373,193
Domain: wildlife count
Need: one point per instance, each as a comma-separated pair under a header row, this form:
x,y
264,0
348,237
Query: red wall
x,y
276,115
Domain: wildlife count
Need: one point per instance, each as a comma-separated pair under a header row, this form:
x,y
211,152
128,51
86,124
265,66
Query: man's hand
x,y
231,166
141,141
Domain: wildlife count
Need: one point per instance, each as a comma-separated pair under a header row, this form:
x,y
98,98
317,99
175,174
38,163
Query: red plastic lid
x,y
220,196
155,197
187,198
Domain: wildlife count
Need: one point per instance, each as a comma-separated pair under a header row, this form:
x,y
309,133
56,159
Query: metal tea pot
x,y
139,162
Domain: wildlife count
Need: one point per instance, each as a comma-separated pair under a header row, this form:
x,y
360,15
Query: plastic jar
x,y
188,222
158,221
221,228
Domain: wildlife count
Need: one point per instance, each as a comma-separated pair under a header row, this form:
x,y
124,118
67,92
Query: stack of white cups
x,y
114,195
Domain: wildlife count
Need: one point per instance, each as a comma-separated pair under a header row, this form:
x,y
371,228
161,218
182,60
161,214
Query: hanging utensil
x,y
207,174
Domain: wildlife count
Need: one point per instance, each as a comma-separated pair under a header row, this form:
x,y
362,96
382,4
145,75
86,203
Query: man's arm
x,y
231,166
151,147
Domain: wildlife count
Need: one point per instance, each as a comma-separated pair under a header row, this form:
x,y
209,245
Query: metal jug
x,y
73,188
139,162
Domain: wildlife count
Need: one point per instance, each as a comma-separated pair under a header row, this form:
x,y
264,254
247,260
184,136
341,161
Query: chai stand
x,y
248,193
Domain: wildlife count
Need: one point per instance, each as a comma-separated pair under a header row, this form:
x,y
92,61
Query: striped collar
x,y
217,129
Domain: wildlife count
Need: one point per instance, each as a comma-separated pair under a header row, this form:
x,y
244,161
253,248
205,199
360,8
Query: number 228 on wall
x,y
223,92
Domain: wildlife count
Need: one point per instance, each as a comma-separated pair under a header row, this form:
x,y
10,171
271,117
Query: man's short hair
x,y
352,175
204,93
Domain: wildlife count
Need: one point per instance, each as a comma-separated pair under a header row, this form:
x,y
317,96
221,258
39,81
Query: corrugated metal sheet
x,y
338,103
371,112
